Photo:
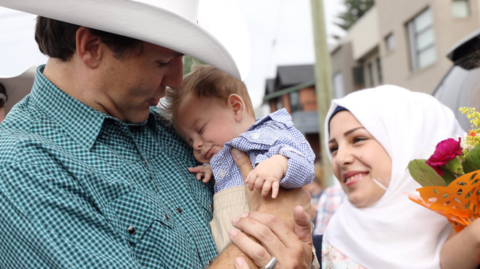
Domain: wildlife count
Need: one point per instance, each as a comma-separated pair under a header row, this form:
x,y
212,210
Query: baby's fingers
x,y
259,183
198,169
275,189
266,188
200,176
208,175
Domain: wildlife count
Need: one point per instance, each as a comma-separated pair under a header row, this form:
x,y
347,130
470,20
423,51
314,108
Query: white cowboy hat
x,y
18,86
219,38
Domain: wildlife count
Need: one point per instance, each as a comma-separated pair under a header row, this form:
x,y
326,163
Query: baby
x,y
214,114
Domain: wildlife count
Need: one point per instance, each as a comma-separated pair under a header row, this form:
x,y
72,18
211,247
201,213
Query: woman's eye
x,y
333,149
359,139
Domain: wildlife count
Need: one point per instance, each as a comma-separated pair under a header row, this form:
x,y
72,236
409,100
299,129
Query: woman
x,y
373,135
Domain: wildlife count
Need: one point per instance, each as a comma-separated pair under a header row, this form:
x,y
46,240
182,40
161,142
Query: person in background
x,y
3,100
328,203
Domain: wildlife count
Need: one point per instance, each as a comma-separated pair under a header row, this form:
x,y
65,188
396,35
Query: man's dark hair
x,y
56,39
4,92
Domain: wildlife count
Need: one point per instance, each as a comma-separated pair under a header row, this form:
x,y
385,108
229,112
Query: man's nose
x,y
173,77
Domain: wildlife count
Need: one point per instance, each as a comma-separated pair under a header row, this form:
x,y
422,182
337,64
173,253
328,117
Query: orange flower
x,y
472,133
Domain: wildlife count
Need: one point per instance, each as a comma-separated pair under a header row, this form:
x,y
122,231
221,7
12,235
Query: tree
x,y
355,10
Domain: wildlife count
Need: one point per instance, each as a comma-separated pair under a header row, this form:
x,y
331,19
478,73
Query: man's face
x,y
135,83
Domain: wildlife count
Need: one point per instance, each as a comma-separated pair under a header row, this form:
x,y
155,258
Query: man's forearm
x,y
226,259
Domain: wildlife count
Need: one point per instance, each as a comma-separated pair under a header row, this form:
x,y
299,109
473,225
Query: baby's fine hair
x,y
206,81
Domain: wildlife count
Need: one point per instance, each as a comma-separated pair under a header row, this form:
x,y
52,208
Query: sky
x,y
280,33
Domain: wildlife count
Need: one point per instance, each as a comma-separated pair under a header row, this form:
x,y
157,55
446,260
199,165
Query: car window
x,y
458,89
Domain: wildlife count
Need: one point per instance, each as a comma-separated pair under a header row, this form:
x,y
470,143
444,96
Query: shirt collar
x,y
280,116
79,121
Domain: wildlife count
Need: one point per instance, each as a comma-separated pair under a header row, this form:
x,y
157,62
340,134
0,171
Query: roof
x,y
290,75
270,86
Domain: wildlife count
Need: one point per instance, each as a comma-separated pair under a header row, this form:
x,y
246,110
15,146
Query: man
x,y
91,177
3,100
14,89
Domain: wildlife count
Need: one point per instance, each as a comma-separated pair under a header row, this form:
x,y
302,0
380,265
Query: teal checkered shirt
x,y
80,189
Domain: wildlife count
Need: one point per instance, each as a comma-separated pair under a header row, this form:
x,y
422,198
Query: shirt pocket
x,y
133,213
261,139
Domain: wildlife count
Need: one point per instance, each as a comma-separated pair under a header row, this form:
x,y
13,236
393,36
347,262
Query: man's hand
x,y
203,171
280,233
292,249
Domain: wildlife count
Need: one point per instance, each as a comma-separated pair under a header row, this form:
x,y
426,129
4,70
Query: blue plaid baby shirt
x,y
80,189
269,136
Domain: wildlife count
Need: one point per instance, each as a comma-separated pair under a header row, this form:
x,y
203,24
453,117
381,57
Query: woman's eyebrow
x,y
352,130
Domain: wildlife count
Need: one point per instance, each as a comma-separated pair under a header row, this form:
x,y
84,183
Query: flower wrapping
x,y
451,177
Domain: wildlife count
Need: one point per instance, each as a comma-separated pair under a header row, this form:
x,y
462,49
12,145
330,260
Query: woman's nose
x,y
344,156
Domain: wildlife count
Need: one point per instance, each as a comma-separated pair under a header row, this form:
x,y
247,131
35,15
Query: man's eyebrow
x,y
346,133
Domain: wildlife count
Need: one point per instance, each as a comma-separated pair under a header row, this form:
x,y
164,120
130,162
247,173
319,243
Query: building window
x,y
295,102
421,40
370,74
390,42
338,85
379,71
358,78
460,8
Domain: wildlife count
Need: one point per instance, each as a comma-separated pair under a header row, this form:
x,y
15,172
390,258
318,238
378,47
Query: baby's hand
x,y
204,171
267,175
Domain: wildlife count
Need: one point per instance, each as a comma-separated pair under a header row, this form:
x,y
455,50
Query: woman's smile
x,y
352,177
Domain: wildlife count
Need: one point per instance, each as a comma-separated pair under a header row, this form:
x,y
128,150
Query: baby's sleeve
x,y
293,145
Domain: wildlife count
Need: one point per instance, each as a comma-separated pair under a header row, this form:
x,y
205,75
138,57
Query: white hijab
x,y
394,232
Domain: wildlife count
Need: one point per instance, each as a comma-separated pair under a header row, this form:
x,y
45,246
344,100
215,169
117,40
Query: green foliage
x,y
448,177
472,162
188,62
355,10
424,174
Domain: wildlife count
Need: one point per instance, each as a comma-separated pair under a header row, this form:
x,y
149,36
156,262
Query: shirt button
x,y
131,230
221,173
166,217
179,210
255,136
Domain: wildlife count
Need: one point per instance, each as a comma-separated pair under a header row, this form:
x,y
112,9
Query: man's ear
x,y
237,105
89,47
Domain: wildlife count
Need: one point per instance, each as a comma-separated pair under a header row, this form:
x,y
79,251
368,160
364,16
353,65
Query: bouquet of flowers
x,y
450,177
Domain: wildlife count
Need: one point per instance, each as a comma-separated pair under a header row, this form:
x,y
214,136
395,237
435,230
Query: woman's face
x,y
357,159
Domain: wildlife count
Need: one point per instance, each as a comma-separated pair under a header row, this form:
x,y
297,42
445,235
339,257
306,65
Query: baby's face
x,y
206,124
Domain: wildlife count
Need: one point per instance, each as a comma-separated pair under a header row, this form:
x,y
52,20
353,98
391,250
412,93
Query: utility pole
x,y
323,83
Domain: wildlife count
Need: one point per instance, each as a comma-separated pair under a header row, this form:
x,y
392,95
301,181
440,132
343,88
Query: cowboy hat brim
x,y
17,87
142,21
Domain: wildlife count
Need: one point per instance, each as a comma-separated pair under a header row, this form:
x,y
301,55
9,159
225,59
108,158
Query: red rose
x,y
445,151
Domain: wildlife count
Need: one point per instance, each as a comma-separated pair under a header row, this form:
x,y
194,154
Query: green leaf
x,y
472,162
424,174
448,177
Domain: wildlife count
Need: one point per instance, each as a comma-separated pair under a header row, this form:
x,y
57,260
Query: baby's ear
x,y
237,105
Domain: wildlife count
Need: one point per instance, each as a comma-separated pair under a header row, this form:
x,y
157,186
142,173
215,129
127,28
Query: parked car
x,y
461,84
